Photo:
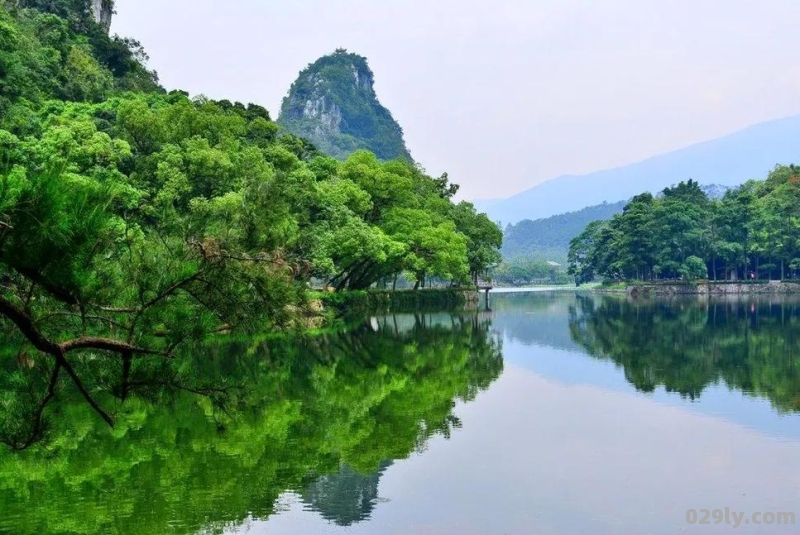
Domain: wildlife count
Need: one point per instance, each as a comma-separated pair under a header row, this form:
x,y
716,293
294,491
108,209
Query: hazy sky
x,y
501,94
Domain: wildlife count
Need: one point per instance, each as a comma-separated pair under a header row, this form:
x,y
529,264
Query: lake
x,y
555,412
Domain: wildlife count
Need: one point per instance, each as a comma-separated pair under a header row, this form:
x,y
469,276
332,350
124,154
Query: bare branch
x,y
36,432
166,293
101,319
106,344
79,385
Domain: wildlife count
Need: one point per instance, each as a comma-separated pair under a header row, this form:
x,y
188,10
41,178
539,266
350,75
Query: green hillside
x,y
57,50
550,237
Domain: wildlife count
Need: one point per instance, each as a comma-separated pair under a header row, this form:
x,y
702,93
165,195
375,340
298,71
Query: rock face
x,y
103,10
333,104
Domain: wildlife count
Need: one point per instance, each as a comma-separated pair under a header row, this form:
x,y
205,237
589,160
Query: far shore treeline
x,y
752,233
133,220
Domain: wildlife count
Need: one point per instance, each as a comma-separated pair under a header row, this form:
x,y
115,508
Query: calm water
x,y
554,413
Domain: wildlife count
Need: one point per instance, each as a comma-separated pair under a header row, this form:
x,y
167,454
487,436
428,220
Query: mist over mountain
x,y
727,161
333,104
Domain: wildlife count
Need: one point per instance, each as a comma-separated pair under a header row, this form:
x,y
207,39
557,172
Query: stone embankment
x,y
712,288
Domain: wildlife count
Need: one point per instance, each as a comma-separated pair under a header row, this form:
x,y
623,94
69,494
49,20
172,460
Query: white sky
x,y
504,94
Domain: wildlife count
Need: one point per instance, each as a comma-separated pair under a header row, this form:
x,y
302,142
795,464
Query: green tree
x,y
484,239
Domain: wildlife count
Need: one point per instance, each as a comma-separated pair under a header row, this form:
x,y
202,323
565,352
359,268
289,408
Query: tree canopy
x,y
752,232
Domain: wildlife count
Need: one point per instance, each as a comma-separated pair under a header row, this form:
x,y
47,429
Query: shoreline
x,y
348,303
524,289
707,288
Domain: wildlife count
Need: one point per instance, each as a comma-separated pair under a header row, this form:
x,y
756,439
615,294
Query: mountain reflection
x,y
214,440
685,345
345,497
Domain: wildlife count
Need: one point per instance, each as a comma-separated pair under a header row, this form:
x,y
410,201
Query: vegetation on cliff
x,y
56,50
333,104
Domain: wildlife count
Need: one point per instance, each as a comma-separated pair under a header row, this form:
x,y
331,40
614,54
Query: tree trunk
x,y
714,268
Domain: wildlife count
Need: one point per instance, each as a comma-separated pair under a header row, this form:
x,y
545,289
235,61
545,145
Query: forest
x,y
752,233
134,220
530,270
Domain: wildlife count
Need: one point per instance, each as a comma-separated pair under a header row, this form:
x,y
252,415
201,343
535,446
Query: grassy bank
x,y
348,304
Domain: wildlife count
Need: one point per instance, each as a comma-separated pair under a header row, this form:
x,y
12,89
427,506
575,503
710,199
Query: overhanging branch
x,y
107,344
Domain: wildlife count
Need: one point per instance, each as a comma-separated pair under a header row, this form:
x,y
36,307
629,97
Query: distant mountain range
x,y
728,161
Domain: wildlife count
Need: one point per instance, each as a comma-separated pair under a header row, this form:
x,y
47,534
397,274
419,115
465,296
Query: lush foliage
x,y
55,49
749,345
333,104
752,232
133,221
320,416
358,304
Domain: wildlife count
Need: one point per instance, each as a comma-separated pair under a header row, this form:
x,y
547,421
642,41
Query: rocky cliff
x,y
78,12
103,10
333,104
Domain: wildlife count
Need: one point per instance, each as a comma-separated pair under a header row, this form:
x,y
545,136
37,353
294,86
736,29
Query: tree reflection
x,y
206,442
750,344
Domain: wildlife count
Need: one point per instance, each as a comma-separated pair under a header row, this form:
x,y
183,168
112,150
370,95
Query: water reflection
x,y
535,318
565,443
322,417
685,345
593,427
345,497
